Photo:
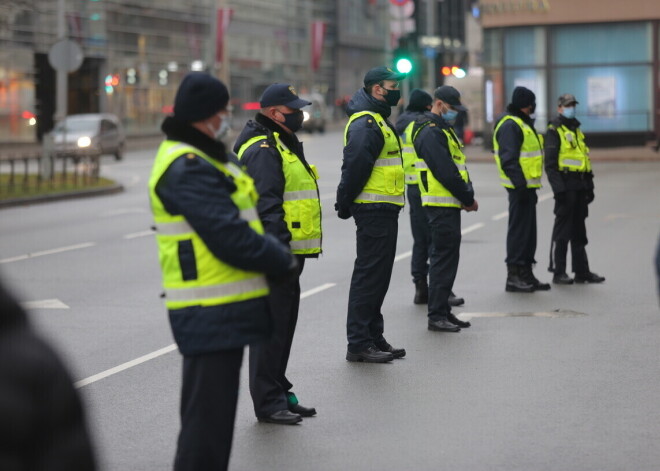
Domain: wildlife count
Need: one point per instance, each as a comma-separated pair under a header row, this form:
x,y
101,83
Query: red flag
x,y
318,33
223,19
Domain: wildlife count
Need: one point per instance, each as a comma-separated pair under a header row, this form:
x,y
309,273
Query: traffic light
x,y
403,61
455,70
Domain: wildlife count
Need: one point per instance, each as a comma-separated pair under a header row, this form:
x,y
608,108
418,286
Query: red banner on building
x,y
318,34
223,19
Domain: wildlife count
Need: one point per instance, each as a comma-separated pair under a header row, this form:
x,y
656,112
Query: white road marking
x,y
546,196
472,228
499,216
121,211
556,313
135,235
403,255
48,252
44,304
168,349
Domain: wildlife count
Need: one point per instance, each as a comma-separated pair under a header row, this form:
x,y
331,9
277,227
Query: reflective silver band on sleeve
x,y
305,244
173,228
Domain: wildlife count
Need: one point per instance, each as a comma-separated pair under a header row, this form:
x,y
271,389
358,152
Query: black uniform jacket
x,y
563,181
404,120
264,164
42,424
510,138
431,145
364,144
197,190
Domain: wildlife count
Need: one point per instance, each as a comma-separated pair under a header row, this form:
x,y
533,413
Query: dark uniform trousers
x,y
570,215
445,224
208,409
269,360
376,237
419,264
521,236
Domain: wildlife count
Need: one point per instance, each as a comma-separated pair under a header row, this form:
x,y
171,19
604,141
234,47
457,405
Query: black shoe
x,y
528,276
456,321
421,292
370,355
588,277
562,279
515,283
302,411
387,348
454,300
443,325
281,417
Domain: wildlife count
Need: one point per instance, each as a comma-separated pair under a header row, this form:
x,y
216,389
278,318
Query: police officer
x,y
214,258
569,173
290,209
419,103
445,188
519,156
371,190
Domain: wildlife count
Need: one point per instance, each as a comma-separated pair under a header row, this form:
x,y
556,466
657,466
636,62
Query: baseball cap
x,y
449,95
282,94
378,74
567,99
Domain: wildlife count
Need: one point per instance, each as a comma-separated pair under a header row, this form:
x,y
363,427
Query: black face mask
x,y
294,121
392,97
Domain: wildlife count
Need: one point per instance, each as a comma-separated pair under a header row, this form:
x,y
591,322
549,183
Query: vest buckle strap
x,y
200,293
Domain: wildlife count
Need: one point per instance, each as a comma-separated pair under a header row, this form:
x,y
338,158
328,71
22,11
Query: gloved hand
x,y
342,212
590,196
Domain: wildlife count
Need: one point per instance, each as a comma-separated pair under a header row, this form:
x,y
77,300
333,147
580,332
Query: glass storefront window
x,y
534,79
601,44
492,48
611,98
524,47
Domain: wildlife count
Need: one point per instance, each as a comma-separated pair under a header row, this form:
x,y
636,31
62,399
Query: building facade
x,y
605,52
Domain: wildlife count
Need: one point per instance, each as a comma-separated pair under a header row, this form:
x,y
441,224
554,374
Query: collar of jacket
x,y
362,101
289,140
176,130
571,123
519,114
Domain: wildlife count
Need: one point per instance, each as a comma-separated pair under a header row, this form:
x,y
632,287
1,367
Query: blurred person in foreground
x,y
42,424
214,259
420,102
290,209
568,167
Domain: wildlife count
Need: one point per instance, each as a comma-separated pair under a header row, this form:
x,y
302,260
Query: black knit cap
x,y
199,97
522,98
419,100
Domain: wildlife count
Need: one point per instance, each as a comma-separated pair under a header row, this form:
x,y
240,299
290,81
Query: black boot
x,y
529,277
515,283
421,292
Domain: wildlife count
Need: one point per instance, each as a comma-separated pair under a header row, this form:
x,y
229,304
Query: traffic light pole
x,y
430,30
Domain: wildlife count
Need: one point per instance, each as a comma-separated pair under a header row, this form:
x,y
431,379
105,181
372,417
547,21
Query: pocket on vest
x,y
187,260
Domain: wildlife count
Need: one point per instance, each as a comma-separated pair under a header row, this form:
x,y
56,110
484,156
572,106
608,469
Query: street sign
x,y
399,2
65,55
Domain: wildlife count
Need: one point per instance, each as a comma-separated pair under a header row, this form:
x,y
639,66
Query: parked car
x,y
315,114
82,134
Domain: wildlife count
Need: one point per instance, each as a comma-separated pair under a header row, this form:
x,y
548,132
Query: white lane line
x,y
168,349
472,228
135,235
48,252
44,304
318,289
124,366
403,255
499,216
546,196
122,211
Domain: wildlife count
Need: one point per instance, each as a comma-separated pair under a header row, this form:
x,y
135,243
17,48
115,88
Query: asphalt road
x,y
565,379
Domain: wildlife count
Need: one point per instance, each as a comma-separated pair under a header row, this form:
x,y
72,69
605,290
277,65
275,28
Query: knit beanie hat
x,y
419,100
199,97
522,98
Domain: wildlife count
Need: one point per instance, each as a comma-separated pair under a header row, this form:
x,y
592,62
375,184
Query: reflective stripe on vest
x,y
387,180
301,203
531,154
410,158
211,281
434,193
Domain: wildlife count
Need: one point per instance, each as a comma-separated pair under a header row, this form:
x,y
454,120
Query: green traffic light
x,y
404,65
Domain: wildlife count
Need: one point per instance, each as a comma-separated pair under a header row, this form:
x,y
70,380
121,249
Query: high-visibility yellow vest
x,y
302,206
215,282
410,158
531,154
386,183
433,192
573,152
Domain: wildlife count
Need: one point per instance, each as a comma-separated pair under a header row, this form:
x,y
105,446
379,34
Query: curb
x,y
61,196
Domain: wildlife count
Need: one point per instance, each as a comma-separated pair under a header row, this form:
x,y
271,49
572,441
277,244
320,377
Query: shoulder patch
x,y
190,155
264,144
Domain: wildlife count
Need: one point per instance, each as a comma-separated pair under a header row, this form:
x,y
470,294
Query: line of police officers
x,y
234,231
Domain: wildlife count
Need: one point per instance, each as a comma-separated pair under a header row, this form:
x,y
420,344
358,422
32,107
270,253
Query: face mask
x,y
450,115
569,112
392,97
294,120
221,131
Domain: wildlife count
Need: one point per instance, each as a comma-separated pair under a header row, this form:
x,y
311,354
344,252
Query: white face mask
x,y
219,133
